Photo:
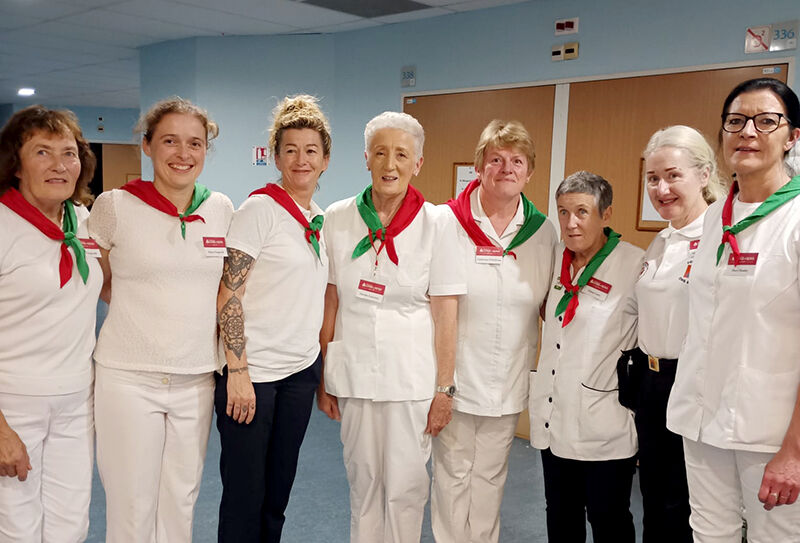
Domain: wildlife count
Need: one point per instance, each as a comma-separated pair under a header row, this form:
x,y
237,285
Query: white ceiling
x,y
84,52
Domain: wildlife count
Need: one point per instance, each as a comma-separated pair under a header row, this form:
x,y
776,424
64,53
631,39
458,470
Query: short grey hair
x,y
584,182
401,121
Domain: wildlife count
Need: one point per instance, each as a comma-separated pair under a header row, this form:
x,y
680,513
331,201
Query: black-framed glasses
x,y
765,123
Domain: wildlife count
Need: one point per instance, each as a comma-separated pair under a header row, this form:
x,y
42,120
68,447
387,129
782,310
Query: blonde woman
x,y
156,352
270,312
680,175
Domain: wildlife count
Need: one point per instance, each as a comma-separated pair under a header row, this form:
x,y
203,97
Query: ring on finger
x,y
774,495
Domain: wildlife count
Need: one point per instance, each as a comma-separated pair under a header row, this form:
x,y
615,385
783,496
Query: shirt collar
x,y
480,216
692,230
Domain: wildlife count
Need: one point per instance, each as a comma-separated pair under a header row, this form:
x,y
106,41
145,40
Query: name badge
x,y
90,247
597,288
215,247
489,255
746,266
369,290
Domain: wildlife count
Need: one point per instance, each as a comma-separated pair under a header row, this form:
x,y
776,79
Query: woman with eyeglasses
x,y
680,175
735,398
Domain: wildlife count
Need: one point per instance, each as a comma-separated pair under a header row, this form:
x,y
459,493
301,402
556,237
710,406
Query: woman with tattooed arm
x,y
270,331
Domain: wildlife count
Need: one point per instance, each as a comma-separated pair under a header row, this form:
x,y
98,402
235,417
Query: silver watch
x,y
450,390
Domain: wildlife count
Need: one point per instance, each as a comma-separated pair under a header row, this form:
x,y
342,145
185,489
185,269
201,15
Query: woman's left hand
x,y
440,413
781,482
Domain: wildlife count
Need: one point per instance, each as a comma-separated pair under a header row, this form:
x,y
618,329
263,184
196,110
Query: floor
x,y
319,510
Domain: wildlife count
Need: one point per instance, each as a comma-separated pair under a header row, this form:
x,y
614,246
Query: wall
x,y
357,74
118,123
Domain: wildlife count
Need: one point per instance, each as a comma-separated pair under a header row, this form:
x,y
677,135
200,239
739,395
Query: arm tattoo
x,y
231,323
237,265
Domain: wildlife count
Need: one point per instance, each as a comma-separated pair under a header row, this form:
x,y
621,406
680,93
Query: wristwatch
x,y
450,390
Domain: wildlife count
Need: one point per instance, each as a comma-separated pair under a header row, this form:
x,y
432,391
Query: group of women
x,y
414,324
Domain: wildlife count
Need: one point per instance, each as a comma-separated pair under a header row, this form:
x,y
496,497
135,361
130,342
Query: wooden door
x,y
610,122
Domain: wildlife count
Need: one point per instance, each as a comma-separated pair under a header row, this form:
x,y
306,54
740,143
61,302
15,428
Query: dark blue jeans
x,y
259,460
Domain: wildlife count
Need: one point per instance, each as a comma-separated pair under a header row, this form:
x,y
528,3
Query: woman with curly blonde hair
x,y
270,331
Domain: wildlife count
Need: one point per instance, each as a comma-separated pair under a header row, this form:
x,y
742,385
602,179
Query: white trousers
x,y
385,453
723,487
470,465
152,433
52,504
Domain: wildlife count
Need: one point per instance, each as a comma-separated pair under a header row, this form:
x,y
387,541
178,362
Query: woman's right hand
x,y
328,403
241,405
14,460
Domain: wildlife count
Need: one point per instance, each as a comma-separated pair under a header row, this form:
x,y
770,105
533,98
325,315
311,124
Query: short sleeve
x,y
251,225
102,222
448,274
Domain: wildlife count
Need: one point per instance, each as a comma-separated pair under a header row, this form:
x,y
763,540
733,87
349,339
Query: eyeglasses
x,y
765,123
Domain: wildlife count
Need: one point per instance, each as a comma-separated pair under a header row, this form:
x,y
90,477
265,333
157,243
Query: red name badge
x,y
90,247
745,267
370,290
694,244
215,246
597,284
745,259
488,254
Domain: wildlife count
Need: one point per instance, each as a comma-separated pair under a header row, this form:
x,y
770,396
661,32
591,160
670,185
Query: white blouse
x,y
382,349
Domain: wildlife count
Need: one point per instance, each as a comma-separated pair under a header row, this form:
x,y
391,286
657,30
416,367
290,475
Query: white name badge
x,y
746,266
597,288
215,247
489,255
369,290
90,247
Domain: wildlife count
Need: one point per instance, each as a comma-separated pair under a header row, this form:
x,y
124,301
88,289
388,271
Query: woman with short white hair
x,y
389,333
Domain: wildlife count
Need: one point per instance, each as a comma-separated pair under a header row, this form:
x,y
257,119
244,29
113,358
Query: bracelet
x,y
237,370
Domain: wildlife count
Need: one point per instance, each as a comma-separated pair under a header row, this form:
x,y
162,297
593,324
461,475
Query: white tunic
x,y
662,292
574,404
498,319
285,293
162,315
737,381
46,332
383,350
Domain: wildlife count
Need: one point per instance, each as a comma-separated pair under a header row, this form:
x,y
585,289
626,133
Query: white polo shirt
x,y
662,292
285,293
162,315
574,404
498,318
46,332
383,350
737,381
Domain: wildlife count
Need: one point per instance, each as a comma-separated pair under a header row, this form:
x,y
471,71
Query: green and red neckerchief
x,y
776,200
282,198
462,209
67,235
569,301
147,192
412,203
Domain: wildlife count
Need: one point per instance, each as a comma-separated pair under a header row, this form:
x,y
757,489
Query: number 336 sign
x,y
775,37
